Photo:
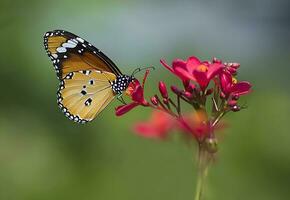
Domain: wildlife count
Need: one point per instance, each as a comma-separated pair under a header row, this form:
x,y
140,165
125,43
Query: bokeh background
x,y
45,156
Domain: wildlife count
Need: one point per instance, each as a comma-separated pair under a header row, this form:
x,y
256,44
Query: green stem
x,y
203,164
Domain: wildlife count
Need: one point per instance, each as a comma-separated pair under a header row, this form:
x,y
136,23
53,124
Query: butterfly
x,y
89,80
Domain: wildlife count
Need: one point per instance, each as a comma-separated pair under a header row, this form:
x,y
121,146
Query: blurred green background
x,y
45,156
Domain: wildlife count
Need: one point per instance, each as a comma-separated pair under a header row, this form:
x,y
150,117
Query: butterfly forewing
x,y
69,53
86,75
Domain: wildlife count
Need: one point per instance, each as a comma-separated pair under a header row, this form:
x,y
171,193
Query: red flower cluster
x,y
201,73
202,80
211,90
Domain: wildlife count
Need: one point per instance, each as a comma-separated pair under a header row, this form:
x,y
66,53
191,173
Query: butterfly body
x,y
89,80
121,83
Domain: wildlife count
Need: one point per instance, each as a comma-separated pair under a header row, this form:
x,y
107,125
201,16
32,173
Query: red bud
x,y
176,90
165,101
154,100
236,108
235,97
163,89
235,65
232,103
222,95
187,94
190,87
232,70
209,91
215,60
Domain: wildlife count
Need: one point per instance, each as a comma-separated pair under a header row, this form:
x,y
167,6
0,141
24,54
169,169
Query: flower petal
x,y
159,125
195,125
145,77
132,87
178,63
146,130
183,74
214,69
201,79
241,88
121,110
226,82
163,62
138,96
191,63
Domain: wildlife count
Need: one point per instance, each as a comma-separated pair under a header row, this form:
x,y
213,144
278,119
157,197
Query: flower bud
x,y
165,101
236,108
235,65
222,95
154,100
211,145
232,70
232,103
209,91
185,83
176,90
215,60
163,89
190,87
188,95
235,97
196,91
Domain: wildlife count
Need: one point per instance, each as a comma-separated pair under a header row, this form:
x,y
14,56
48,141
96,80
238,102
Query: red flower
x,y
136,91
194,69
196,125
230,86
157,127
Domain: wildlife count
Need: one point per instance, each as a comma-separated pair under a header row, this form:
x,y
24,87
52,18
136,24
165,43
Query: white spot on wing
x,y
73,41
69,45
54,55
80,40
61,49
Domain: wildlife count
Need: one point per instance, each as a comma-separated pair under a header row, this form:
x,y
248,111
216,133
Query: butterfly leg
x,y
120,98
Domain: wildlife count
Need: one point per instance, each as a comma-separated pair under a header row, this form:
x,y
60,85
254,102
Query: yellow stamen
x,y
202,68
129,91
234,80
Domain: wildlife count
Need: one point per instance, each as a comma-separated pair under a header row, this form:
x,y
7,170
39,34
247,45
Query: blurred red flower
x,y
196,125
158,126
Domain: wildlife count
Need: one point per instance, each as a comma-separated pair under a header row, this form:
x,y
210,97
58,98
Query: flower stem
x,y
203,164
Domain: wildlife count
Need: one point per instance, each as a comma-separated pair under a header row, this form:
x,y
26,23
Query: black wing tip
x,y
54,32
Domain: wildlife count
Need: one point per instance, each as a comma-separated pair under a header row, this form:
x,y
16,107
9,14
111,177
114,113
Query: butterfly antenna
x,y
141,69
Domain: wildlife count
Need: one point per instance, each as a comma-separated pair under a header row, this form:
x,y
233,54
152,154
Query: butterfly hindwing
x,y
84,94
